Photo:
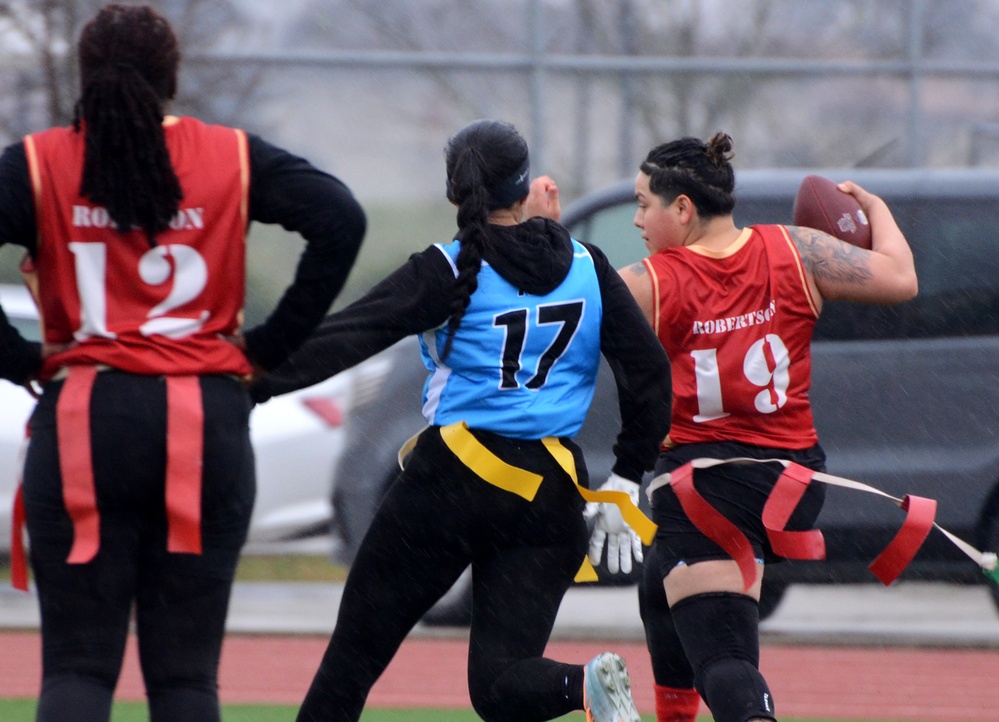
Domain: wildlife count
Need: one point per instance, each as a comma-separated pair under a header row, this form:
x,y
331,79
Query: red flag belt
x,y
783,499
185,440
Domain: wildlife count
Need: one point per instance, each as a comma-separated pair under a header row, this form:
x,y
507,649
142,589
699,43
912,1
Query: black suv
x,y
905,398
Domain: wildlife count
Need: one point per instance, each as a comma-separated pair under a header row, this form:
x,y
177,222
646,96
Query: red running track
x,y
867,683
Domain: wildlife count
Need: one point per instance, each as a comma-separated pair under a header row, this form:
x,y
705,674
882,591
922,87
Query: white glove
x,y
622,542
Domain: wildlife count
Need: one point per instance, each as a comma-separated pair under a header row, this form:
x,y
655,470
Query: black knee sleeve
x,y
720,635
670,667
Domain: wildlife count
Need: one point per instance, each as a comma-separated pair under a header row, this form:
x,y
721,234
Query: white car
x,y
297,440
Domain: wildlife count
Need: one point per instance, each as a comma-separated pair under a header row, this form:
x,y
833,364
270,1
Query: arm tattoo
x,y
638,268
827,260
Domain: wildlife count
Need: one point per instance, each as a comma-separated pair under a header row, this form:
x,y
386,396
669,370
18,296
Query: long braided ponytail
x,y
128,70
487,169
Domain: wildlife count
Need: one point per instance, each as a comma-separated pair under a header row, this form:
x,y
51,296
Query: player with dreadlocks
x,y
513,316
139,477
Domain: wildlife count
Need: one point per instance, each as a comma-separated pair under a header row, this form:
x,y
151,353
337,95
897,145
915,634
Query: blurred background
x,y
371,90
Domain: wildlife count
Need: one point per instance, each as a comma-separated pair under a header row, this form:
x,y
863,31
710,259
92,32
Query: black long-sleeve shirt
x,y
284,189
417,296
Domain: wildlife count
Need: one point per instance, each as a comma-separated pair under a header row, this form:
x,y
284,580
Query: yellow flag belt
x,y
493,470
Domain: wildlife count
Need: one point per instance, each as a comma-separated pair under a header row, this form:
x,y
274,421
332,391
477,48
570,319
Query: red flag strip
x,y
895,557
18,558
75,463
185,442
713,524
185,446
780,505
783,500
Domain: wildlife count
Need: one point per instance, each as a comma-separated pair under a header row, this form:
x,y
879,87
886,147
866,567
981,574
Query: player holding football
x,y
734,309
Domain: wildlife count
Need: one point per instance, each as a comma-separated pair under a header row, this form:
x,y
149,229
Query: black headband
x,y
514,187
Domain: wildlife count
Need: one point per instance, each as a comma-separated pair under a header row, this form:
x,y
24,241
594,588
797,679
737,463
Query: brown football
x,y
824,207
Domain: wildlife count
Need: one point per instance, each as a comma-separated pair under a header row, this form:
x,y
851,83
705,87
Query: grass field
x,y
23,711
264,568
289,568
394,232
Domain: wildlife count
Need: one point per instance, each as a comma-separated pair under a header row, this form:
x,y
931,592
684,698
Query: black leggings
x,y
437,518
739,492
180,600
670,667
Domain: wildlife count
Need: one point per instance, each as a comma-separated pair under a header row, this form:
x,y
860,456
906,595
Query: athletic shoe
x,y
607,690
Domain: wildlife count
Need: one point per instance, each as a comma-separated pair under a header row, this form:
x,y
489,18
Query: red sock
x,y
676,705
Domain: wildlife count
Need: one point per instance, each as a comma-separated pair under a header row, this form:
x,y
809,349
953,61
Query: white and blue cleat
x,y
607,690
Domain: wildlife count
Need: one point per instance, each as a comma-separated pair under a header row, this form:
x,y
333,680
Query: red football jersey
x,y
737,327
117,299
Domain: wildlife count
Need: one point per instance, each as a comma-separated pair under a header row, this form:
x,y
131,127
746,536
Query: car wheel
x,y
354,507
771,595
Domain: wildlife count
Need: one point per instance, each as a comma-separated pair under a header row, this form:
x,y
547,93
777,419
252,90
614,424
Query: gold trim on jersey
x,y
244,177
656,298
729,250
802,276
33,169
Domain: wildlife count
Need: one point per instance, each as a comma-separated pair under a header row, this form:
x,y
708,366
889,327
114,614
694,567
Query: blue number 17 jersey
x,y
521,365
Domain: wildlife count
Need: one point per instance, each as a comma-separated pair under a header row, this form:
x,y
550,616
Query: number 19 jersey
x,y
737,327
